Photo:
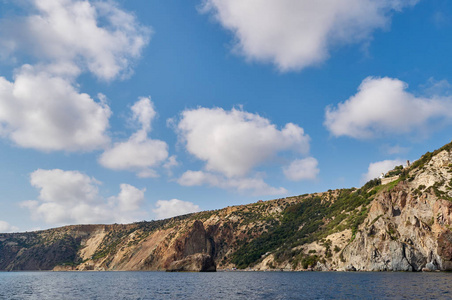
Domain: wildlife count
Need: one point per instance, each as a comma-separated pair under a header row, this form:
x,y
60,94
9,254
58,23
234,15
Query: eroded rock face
x,y
195,241
445,249
407,228
320,267
194,251
403,241
198,262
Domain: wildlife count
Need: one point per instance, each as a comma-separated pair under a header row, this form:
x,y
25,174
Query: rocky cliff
x,y
408,226
404,225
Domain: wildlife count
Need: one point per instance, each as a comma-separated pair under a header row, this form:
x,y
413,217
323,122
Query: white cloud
x,y
130,198
375,169
383,106
396,149
170,164
136,154
234,142
5,227
70,197
437,87
97,35
302,169
143,111
171,208
255,186
42,108
294,34
42,111
139,153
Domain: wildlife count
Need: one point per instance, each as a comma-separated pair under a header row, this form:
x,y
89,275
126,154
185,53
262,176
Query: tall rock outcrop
x,y
194,251
408,226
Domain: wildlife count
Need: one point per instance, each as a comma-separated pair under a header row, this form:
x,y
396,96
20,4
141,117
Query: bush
x,y
308,221
309,261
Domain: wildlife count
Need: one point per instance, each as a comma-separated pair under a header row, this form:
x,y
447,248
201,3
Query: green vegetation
x,y
109,244
327,244
438,193
310,220
390,186
376,219
309,261
397,171
392,232
425,159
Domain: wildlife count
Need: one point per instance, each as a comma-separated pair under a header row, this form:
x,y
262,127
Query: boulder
x,y
61,268
321,267
430,267
198,262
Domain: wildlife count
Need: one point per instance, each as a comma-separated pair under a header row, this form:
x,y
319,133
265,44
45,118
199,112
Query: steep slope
x,y
404,225
408,227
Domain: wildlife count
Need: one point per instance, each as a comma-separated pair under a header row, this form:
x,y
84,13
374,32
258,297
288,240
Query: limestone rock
x,y
193,263
321,267
430,266
62,268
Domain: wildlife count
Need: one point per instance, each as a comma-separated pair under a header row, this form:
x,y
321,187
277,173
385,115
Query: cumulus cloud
x,y
375,169
136,154
46,112
294,34
42,107
139,153
170,164
383,106
5,227
71,197
302,169
174,207
256,186
233,142
129,198
99,36
396,149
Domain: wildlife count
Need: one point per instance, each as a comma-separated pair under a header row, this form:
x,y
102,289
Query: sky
x,y
123,111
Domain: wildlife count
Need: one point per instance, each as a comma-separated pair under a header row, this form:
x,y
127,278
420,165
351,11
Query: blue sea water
x,y
224,285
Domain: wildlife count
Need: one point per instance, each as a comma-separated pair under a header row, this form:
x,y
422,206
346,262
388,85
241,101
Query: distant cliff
x,y
404,225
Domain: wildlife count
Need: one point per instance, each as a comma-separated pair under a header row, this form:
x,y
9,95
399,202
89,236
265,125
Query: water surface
x,y
224,285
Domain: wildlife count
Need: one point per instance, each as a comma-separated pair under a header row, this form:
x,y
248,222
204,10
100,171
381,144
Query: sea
x,y
225,285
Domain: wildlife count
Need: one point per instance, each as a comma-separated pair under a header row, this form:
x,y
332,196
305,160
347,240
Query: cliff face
x,y
404,225
408,227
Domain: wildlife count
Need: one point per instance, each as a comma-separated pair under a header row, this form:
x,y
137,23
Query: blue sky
x,y
120,111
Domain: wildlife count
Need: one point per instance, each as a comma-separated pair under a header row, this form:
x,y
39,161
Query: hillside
x,y
404,225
